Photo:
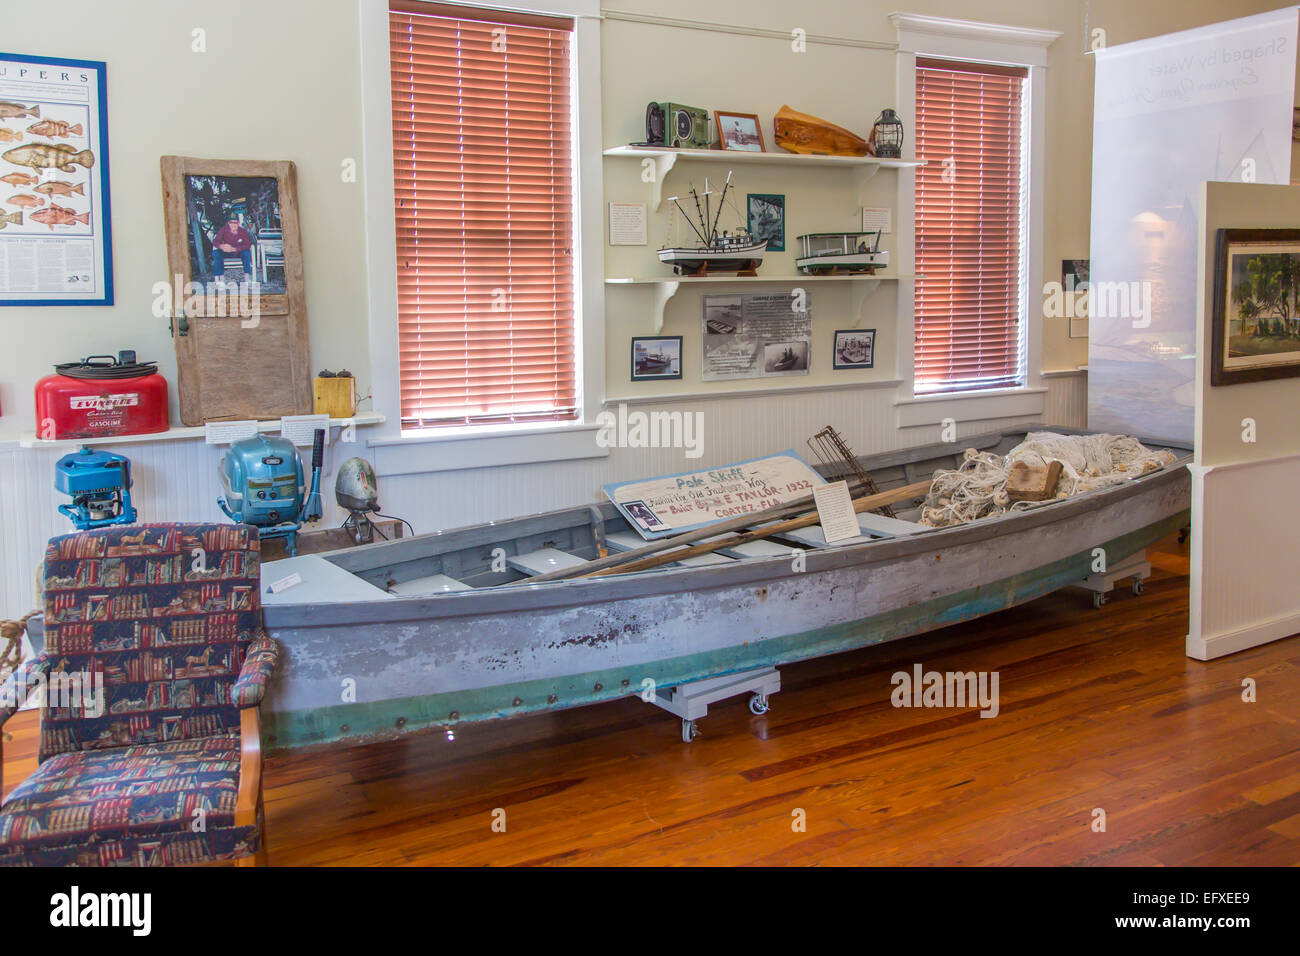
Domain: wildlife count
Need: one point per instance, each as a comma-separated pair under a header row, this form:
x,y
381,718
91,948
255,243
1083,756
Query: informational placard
x,y
301,429
627,224
877,219
55,247
835,512
757,336
659,507
227,433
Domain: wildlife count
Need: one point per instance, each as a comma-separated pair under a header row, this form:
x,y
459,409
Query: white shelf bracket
x,y
663,163
663,292
862,291
861,176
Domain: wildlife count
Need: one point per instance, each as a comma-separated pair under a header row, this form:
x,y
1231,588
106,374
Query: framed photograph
x,y
739,131
785,358
1255,329
855,348
232,229
656,357
54,216
1074,274
766,214
239,304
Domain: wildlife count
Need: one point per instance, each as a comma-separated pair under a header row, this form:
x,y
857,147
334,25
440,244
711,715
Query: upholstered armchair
x,y
154,665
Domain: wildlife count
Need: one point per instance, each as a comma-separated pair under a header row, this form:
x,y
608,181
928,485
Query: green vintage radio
x,y
672,124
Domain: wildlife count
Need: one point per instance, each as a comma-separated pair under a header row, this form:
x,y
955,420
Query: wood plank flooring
x,y
1100,709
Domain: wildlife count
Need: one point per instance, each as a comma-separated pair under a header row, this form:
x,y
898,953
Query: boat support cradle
x,y
691,701
1135,566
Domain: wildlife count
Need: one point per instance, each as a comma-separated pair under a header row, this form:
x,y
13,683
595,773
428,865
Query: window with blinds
x,y
483,181
971,207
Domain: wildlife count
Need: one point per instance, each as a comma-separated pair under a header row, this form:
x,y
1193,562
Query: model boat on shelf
x,y
724,251
431,637
841,253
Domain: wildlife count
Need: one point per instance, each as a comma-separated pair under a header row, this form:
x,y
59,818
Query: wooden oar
x,y
868,503
731,524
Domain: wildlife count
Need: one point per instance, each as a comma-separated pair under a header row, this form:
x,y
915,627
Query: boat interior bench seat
x,y
627,540
429,584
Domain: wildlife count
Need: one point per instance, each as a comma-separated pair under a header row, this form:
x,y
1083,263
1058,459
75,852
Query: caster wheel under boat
x,y
1138,586
689,731
1099,599
759,705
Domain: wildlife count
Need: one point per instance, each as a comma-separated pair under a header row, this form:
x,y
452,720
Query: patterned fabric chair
x,y
154,666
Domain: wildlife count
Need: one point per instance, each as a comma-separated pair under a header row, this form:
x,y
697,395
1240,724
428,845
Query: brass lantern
x,y
887,136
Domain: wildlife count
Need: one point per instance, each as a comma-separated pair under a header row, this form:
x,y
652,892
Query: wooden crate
x,y
335,397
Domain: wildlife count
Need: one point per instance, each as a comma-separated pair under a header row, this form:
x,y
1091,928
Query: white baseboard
x,y
1242,638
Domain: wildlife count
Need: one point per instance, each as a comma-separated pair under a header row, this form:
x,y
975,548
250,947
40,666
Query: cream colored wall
x,y
279,80
1272,405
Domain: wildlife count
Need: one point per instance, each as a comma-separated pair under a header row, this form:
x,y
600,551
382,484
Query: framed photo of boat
x,y
765,213
741,131
656,357
855,348
1255,325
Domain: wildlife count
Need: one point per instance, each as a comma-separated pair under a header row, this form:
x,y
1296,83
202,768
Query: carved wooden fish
x,y
59,156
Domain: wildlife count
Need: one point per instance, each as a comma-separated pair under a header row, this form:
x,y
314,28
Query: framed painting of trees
x,y
1255,332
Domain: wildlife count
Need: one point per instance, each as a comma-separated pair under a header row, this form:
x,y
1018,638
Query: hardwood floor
x,y
1098,709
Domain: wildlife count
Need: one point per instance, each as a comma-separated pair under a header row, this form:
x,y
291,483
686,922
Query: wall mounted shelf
x,y
665,287
864,167
179,433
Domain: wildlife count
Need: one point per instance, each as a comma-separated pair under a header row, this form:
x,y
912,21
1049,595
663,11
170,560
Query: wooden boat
x,y
836,253
425,634
716,251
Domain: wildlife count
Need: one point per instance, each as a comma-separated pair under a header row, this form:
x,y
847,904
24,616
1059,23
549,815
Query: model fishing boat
x,y
442,628
841,253
716,251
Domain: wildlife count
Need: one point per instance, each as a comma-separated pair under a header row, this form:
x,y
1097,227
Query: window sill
x,y
462,448
970,406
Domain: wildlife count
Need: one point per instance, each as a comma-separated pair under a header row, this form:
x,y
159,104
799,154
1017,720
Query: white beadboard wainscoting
x,y
177,480
1244,521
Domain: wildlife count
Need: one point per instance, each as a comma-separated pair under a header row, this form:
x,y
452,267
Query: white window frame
x,y
449,449
949,39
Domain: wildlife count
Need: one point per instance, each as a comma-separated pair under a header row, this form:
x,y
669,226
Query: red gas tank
x,y
101,397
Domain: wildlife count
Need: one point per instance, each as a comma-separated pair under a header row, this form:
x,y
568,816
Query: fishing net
x,y
978,487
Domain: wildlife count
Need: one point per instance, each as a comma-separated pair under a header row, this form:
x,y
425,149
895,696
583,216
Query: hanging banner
x,y
1214,103
659,507
55,247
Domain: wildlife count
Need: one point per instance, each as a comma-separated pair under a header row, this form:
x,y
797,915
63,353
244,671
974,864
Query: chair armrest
x,y
20,685
259,664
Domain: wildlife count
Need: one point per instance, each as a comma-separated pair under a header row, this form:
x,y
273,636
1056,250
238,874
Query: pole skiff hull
x,y
358,670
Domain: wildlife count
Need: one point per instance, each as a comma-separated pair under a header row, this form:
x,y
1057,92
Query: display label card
x,y
835,512
224,433
286,582
877,219
627,224
301,429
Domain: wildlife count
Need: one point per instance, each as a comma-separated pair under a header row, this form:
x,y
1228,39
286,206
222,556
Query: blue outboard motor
x,y
99,484
262,481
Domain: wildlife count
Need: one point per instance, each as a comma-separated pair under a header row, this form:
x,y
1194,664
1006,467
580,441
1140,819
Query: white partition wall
x,y
1214,103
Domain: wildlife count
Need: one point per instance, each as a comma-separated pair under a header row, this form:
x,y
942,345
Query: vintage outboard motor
x,y
99,484
356,489
262,483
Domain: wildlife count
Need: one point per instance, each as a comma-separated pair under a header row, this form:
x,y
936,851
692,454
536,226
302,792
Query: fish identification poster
x,y
55,245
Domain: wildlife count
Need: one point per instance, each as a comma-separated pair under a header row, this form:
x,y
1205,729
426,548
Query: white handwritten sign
x,y
659,507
